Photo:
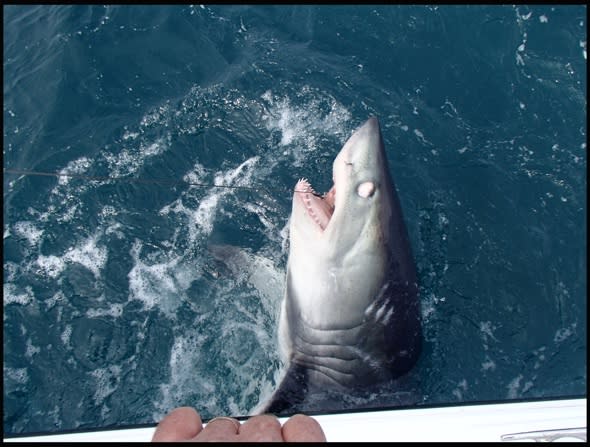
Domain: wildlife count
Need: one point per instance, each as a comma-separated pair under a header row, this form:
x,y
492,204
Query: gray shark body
x,y
350,317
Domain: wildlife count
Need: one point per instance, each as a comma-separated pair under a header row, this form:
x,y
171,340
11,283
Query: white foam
x,y
11,270
240,176
155,116
563,334
186,362
108,210
107,380
244,365
64,202
160,284
196,175
66,335
487,329
527,386
301,126
201,220
260,212
19,375
184,275
89,255
461,387
428,309
12,295
513,387
130,135
31,350
75,167
50,265
185,356
70,212
269,281
540,354
129,160
488,364
29,231
115,311
267,389
421,137
204,215
57,298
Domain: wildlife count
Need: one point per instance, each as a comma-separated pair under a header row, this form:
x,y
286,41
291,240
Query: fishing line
x,y
140,180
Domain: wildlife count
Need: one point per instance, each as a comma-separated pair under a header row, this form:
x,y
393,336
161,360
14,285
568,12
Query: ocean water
x,y
126,298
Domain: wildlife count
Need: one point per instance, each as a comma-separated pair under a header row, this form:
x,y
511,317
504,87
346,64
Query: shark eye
x,y
366,189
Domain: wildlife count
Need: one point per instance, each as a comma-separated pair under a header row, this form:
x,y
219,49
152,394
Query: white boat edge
x,y
545,420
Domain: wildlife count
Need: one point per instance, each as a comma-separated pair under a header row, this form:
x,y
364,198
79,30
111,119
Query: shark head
x,y
344,243
357,203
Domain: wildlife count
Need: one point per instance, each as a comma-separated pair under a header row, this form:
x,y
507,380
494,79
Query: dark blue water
x,y
123,299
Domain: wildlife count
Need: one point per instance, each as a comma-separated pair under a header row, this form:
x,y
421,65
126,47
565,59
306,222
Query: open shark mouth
x,y
319,208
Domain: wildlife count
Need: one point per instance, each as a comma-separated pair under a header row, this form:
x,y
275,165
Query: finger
x,y
303,429
180,425
220,429
262,428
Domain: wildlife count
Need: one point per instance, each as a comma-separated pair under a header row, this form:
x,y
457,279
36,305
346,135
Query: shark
x,y
350,317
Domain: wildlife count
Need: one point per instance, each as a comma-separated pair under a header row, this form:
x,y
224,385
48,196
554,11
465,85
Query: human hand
x,y
184,424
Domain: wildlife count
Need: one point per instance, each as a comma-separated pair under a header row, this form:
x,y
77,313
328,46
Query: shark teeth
x,y
303,185
312,213
317,208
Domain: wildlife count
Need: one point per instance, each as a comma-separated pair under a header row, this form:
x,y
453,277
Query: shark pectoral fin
x,y
290,393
